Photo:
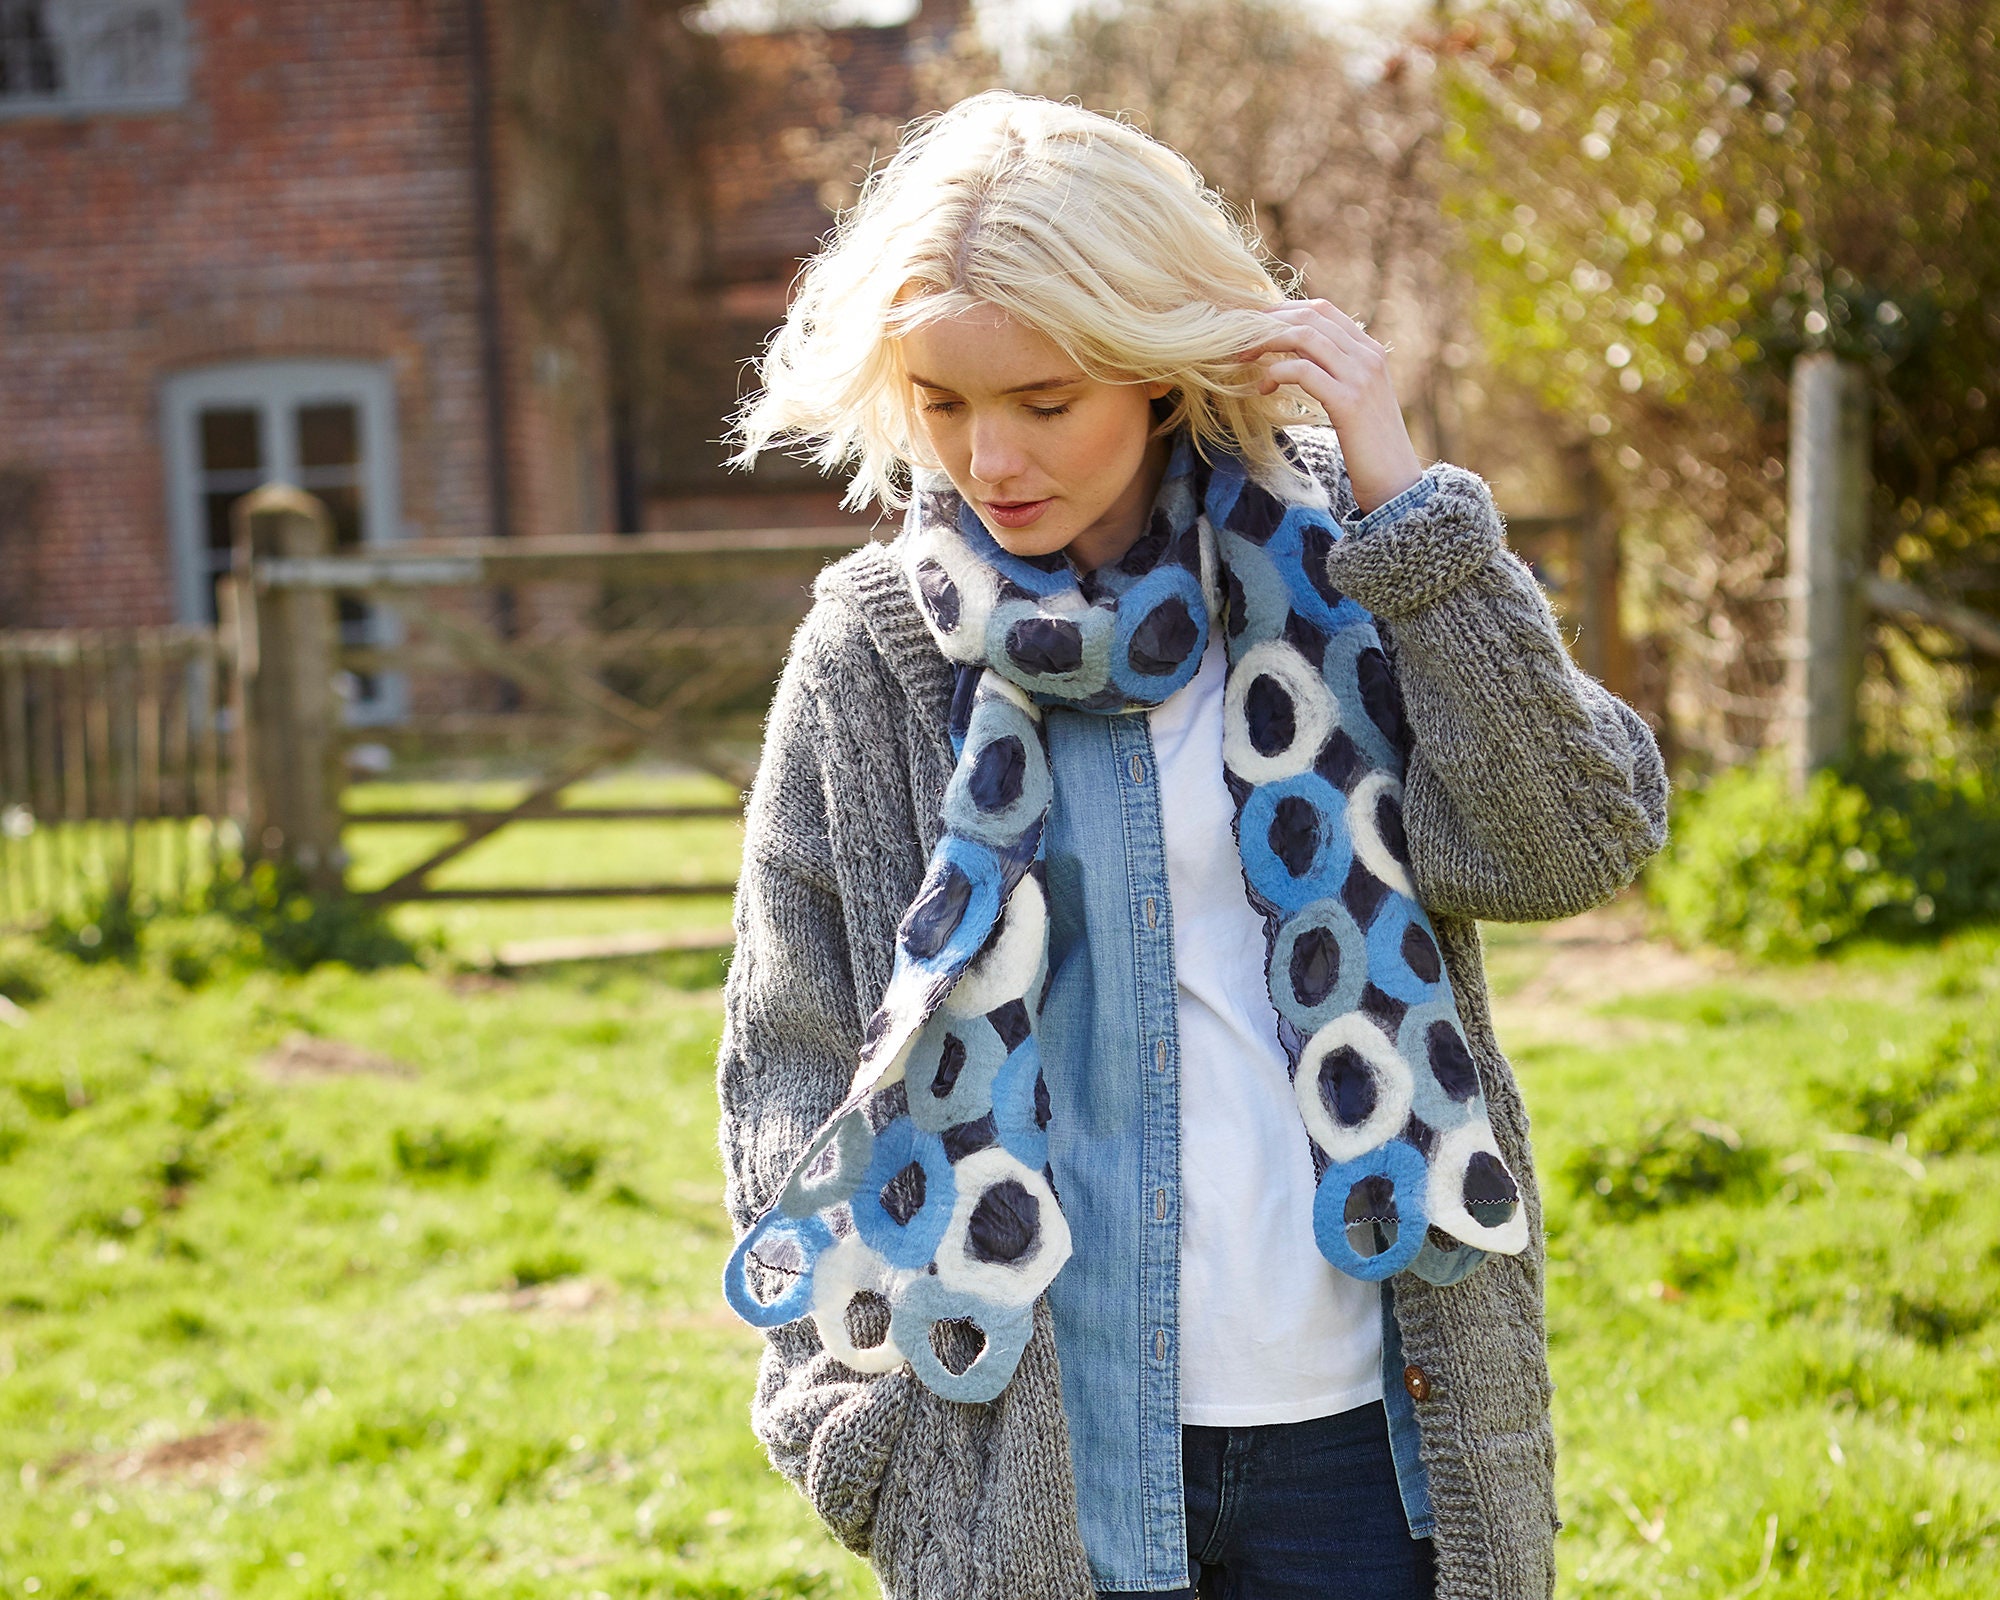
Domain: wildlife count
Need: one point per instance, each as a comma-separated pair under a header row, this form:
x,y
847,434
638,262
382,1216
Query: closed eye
x,y
1049,411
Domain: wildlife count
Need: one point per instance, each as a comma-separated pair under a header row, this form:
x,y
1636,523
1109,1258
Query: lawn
x,y
404,1284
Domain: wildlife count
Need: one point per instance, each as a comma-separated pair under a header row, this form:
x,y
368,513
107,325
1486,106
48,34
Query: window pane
x,y
27,54
230,442
329,436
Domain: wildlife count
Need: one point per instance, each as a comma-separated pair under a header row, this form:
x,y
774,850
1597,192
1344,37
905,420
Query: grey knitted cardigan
x,y
1531,793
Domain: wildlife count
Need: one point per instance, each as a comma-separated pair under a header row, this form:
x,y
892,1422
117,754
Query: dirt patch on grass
x,y
565,1297
303,1056
221,1452
1569,968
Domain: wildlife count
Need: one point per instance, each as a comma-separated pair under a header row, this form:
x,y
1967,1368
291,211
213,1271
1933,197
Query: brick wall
x,y
314,196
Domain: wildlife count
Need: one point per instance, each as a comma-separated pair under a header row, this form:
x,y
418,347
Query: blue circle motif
x,y
1408,1174
1332,856
910,1244
812,1237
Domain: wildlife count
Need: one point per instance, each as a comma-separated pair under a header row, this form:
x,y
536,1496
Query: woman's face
x,y
1049,458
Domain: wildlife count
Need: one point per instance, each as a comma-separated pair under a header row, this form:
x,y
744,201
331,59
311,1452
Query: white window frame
x,y
276,390
74,26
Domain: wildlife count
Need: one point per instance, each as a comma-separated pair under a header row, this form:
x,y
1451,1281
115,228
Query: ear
x,y
1159,389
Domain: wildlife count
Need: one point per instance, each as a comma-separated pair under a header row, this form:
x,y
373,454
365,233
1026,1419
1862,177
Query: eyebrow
x,y
1036,387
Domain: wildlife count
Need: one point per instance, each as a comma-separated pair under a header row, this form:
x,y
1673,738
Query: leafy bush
x,y
27,972
201,948
1756,867
1670,1163
299,930
107,929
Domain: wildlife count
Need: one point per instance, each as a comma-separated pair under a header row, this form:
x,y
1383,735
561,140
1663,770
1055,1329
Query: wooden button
x,y
1418,1382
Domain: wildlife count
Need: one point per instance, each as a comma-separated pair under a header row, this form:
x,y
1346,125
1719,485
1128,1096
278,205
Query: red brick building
x,y
245,239
251,238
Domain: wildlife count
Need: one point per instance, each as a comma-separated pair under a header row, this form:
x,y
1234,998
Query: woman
x,y
1123,1166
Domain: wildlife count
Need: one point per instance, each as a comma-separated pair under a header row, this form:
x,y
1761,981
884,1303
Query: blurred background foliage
x,y
1661,207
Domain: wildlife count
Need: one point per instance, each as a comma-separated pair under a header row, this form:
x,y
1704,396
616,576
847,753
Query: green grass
x,y
553,853
1774,1276
461,1320
348,1267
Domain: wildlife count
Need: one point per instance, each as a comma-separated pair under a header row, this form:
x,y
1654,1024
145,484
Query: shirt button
x,y
1152,912
1159,1344
1159,1055
1160,1205
1138,770
1417,1381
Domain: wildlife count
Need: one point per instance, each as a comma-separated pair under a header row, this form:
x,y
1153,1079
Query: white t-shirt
x,y
1270,1330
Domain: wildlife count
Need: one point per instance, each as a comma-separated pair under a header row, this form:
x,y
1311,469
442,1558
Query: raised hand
x,y
1321,349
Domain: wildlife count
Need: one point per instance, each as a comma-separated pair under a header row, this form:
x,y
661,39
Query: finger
x,y
1326,311
1338,351
1310,376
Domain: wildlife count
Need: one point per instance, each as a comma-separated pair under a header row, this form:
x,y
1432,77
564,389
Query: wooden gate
x,y
581,652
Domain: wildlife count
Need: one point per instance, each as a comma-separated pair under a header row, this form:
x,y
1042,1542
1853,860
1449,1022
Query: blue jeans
x,y
1298,1511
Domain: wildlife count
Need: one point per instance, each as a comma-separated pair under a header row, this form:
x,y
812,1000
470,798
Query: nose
x,y
996,453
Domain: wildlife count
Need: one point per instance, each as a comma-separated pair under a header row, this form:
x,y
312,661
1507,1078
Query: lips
x,y
1016,513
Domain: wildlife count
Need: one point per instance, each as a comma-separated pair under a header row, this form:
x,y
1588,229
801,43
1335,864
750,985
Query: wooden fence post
x,y
1827,532
294,713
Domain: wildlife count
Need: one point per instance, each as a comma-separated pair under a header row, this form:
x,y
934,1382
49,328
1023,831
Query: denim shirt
x,y
1111,1058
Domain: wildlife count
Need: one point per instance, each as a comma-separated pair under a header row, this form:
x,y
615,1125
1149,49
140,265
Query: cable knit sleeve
x,y
791,1028
1532,792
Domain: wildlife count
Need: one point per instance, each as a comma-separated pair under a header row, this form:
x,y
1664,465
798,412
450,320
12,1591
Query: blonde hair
x,y
1076,225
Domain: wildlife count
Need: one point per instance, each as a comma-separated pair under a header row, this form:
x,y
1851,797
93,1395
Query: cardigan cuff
x,y
1412,551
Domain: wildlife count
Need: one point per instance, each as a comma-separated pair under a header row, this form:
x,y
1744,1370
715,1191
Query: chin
x,y
1035,541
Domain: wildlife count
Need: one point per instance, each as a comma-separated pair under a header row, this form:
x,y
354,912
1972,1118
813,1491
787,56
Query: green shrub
x,y
108,928
27,971
199,949
298,930
547,1265
1753,866
1669,1163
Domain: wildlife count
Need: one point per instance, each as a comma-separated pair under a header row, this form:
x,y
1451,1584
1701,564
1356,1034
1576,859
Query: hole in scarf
x,y
951,1062
1150,547
1002,1226
1362,894
998,773
1422,954
1163,639
1490,1195
1389,824
935,917
1347,1086
867,1319
1256,517
1272,719
1451,1062
957,1342
963,1138
1315,965
1294,834
903,1195
1047,646
1238,603
1315,548
1378,694
1371,1216
1011,1023
940,594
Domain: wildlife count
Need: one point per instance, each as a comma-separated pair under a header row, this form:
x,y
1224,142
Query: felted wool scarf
x,y
927,1197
